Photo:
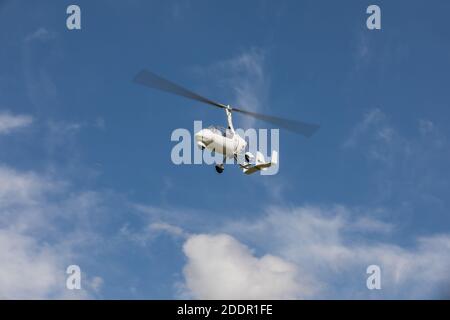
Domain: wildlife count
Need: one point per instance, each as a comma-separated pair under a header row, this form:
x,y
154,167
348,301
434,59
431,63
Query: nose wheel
x,y
220,168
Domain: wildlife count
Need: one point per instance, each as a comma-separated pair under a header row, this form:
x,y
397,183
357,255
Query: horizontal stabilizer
x,y
261,165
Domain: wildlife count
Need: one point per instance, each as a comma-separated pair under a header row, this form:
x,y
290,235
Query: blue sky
x,y
86,176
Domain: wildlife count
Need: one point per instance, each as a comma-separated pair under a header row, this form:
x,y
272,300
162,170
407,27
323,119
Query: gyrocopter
x,y
226,141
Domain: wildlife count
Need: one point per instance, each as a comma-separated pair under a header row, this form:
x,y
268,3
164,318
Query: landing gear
x,y
220,168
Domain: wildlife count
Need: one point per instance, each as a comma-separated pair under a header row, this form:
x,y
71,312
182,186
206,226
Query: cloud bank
x,y
315,252
43,222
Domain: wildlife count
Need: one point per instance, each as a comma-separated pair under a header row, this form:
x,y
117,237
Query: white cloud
x,y
220,267
324,242
10,122
30,269
313,252
27,270
18,187
21,198
34,251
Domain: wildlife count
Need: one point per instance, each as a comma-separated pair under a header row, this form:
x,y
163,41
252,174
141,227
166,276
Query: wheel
x,y
220,168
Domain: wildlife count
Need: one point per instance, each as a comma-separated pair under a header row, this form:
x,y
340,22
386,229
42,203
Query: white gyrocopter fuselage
x,y
231,145
220,140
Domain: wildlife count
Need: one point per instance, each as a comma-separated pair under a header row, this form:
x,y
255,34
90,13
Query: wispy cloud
x,y
41,34
363,52
167,228
246,77
408,164
147,235
370,119
10,122
40,86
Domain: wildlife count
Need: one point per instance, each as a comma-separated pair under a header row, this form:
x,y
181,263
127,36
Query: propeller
x,y
149,79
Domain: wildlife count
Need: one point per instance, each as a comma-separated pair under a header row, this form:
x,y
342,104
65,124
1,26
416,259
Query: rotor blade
x,y
303,128
149,79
